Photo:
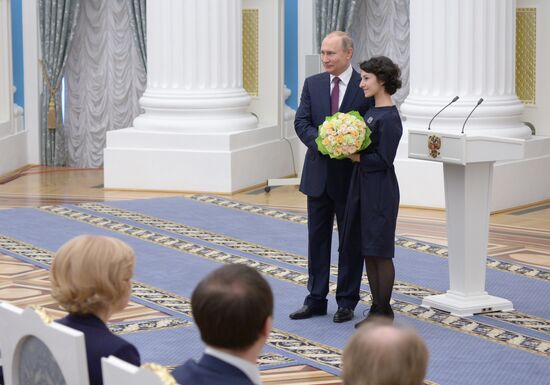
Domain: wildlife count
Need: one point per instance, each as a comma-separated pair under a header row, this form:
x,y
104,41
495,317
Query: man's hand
x,y
355,157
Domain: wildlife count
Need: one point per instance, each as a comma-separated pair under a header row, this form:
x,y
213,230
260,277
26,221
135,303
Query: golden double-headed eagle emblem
x,y
434,145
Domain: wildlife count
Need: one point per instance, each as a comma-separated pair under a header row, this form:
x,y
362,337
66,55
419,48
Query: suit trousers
x,y
321,211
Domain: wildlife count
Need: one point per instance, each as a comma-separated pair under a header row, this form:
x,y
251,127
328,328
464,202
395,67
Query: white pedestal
x,y
461,305
467,194
468,176
178,161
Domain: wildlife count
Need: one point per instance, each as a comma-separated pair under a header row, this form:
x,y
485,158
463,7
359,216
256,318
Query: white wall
x,y
538,114
306,38
13,152
33,79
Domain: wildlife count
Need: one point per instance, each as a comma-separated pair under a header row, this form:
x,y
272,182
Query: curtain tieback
x,y
52,116
52,124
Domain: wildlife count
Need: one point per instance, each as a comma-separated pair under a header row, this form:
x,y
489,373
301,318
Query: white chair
x,y
116,372
37,351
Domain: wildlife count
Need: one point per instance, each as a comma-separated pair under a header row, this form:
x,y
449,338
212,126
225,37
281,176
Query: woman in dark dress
x,y
373,200
91,279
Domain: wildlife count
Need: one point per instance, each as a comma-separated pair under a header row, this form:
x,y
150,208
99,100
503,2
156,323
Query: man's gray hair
x,y
347,41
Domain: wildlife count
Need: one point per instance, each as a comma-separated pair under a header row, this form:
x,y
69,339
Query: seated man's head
x,y
92,275
233,308
382,354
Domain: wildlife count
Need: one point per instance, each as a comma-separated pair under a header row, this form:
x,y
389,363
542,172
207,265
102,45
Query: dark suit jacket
x,y
320,171
100,342
210,370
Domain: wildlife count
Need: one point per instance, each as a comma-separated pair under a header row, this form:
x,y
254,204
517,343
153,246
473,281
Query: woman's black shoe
x,y
386,311
373,313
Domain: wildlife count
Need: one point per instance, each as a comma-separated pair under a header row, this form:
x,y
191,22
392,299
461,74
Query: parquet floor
x,y
518,235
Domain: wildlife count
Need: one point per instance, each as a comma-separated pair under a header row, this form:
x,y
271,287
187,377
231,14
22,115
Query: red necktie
x,y
335,96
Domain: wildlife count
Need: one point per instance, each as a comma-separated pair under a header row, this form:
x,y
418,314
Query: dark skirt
x,y
371,214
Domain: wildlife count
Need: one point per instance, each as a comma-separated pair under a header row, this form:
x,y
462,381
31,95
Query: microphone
x,y
471,112
452,101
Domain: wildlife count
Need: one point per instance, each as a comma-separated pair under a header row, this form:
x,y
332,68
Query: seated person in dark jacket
x,y
233,308
91,279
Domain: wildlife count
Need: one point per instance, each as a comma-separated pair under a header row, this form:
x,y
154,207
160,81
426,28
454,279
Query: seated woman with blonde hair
x,y
91,279
380,353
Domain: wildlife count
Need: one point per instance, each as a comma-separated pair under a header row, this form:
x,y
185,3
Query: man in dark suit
x,y
233,308
325,181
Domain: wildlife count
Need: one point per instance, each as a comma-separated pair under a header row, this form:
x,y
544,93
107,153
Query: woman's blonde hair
x,y
382,354
91,273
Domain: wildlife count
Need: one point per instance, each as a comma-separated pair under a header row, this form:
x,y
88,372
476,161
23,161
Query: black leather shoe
x,y
307,312
343,314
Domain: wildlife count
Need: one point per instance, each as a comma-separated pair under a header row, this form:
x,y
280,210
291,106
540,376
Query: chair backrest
x,y
116,372
38,352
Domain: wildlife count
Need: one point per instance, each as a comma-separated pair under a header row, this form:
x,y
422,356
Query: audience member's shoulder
x,y
127,352
186,372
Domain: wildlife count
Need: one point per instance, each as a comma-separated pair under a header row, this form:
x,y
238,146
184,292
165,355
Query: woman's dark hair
x,y
386,71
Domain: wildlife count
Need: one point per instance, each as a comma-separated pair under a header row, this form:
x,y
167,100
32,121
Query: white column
x,y
32,73
200,129
194,68
464,48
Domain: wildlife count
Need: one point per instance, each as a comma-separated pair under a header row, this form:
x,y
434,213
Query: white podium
x,y
468,174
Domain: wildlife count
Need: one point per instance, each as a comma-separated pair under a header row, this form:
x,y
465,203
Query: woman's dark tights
x,y
381,274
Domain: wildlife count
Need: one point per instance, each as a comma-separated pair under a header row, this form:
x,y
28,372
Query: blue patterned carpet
x,y
178,240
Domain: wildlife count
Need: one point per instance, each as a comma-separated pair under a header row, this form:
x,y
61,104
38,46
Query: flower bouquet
x,y
343,134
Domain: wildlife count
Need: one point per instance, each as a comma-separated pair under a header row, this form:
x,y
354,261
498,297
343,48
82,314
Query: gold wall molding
x,y
526,54
251,53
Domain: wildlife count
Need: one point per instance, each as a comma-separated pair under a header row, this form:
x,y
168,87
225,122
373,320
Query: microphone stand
x,y
471,112
451,102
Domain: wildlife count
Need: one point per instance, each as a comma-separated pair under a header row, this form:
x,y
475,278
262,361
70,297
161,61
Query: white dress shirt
x,y
246,367
345,77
